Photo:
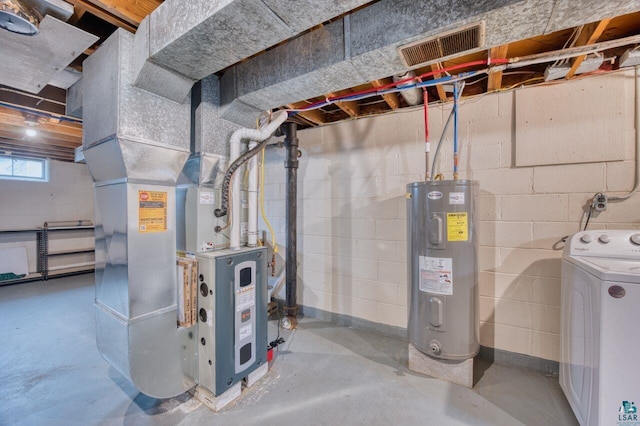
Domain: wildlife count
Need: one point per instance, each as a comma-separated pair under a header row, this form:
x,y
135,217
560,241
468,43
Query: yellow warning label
x,y
457,227
152,211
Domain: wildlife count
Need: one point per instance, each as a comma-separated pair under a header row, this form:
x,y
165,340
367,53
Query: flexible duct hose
x,y
237,137
224,208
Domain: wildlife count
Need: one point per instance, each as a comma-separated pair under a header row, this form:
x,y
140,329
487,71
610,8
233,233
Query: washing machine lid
x,y
608,269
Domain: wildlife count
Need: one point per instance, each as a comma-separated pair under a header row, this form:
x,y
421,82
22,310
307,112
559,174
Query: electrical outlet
x,y
600,202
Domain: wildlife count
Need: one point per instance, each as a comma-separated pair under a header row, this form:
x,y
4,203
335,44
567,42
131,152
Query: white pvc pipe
x,y
236,139
253,199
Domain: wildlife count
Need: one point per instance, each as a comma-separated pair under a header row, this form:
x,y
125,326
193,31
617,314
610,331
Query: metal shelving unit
x,y
43,253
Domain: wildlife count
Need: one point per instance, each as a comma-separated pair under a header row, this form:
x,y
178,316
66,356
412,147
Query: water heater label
x,y
456,198
436,275
434,195
457,227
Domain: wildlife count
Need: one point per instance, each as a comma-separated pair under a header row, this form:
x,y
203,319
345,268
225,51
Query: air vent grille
x,y
447,45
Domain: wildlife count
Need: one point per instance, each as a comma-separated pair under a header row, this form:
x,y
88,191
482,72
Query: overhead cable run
x,y
493,65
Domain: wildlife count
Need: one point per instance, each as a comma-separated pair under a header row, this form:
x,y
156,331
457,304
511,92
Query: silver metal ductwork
x,y
135,270
199,192
136,145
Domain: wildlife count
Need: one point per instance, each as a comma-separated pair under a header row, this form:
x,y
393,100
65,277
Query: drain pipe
x,y
291,164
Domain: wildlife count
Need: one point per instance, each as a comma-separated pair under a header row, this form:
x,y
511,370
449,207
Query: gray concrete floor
x,y
51,373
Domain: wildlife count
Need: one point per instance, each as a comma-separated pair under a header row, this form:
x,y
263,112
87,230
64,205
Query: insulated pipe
x,y
252,232
236,139
291,164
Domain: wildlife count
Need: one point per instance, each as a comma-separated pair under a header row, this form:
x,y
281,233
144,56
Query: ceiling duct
x,y
467,39
19,18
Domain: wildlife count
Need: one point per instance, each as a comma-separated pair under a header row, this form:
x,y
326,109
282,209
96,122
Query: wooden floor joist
x,y
441,93
589,35
103,14
350,107
315,116
495,77
390,98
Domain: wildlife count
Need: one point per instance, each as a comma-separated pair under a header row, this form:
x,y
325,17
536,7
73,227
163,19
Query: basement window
x,y
23,168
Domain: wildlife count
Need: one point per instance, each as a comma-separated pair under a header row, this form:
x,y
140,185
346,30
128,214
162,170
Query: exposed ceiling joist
x,y
33,146
129,11
441,93
315,116
350,107
589,35
495,78
103,14
78,13
70,156
390,98
62,133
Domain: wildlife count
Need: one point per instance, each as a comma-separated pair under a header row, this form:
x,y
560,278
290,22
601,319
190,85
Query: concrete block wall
x,y
352,238
67,196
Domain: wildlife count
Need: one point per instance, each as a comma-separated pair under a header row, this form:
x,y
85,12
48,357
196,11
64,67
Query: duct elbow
x,y
411,96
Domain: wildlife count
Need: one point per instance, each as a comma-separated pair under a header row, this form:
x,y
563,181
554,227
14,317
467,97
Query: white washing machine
x,y
600,343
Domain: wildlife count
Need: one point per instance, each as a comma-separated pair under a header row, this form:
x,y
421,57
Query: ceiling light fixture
x,y
18,17
31,132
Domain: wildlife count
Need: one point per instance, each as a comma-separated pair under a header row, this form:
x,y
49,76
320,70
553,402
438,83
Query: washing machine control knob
x,y
586,238
635,239
604,239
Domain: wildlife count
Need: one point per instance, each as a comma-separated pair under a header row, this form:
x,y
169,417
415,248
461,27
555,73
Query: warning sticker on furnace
x,y
152,211
457,227
436,275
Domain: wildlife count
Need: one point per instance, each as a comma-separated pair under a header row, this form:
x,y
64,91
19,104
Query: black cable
x,y
588,217
279,340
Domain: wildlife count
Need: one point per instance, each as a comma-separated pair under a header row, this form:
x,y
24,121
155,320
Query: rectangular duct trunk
x,y
135,145
136,290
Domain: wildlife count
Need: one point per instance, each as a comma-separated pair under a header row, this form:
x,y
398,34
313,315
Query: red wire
x,y
410,79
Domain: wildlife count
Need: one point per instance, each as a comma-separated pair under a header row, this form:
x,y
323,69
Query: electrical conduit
x,y
636,182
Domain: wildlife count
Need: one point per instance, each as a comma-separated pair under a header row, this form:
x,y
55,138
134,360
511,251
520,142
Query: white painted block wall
x,y
351,220
67,196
